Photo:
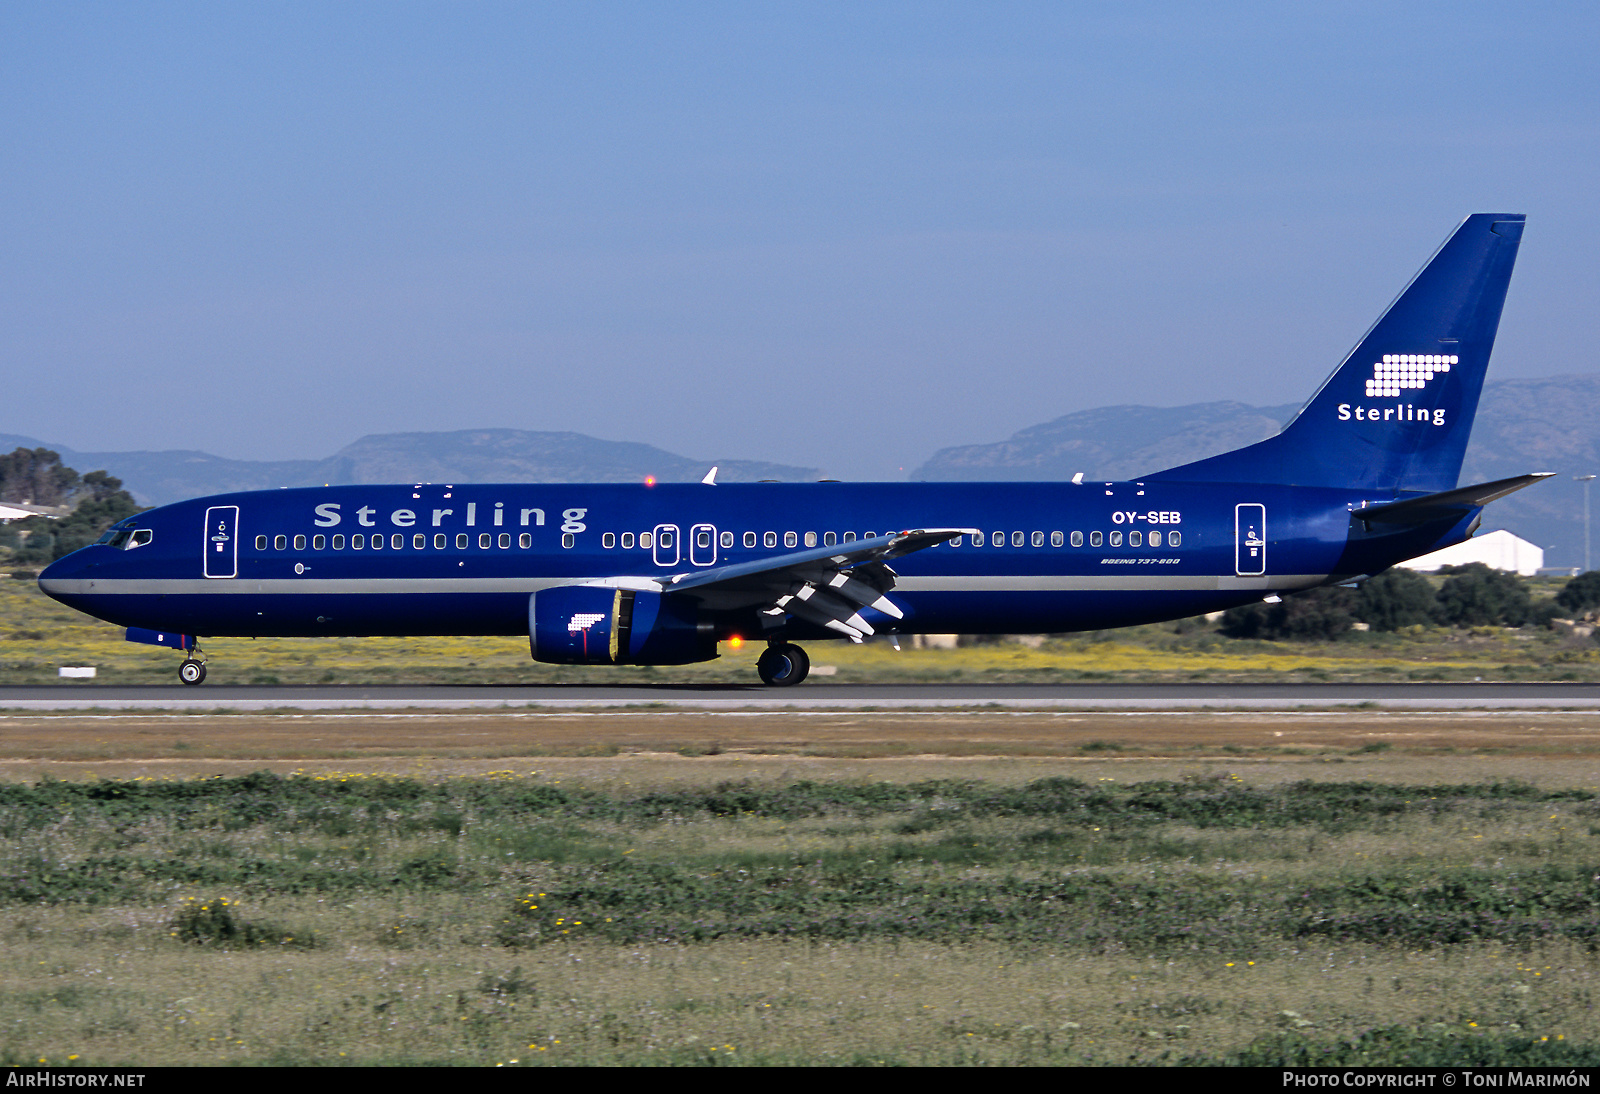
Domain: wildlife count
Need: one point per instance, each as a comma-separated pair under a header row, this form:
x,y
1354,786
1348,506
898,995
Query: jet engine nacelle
x,y
594,625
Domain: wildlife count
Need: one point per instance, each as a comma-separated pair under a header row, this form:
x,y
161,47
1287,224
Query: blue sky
x,y
840,236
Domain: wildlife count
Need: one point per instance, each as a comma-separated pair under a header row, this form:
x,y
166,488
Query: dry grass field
x,y
980,887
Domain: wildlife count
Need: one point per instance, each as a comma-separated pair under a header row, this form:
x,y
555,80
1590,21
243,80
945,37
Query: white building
x,y
1499,550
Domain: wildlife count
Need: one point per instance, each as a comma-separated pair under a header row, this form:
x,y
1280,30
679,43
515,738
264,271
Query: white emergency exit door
x,y
1249,539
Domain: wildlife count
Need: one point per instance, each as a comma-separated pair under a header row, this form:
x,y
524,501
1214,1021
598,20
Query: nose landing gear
x,y
783,665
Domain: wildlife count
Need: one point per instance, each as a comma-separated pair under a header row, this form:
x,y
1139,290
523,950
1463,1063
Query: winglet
x,y
711,476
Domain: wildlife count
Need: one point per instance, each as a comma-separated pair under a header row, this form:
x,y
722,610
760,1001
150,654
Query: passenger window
x,y
1116,539
789,539
1094,539
280,543
419,541
665,537
1016,539
849,537
811,539
829,539
1055,539
627,541
702,539
1174,539
357,541
338,541
1038,539
397,541
505,540
525,540
749,539
1155,539
646,539
1077,539
609,540
440,541
727,539
261,543
484,541
299,542
998,539
462,539
568,539
1135,539
318,542
977,539
770,539
377,542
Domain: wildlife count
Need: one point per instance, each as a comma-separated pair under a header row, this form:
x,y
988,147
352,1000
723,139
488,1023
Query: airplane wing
x,y
827,586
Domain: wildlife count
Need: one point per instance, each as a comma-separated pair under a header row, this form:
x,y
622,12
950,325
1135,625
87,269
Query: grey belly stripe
x,y
1053,583
950,583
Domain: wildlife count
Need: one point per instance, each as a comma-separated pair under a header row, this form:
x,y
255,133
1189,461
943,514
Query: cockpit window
x,y
140,538
115,537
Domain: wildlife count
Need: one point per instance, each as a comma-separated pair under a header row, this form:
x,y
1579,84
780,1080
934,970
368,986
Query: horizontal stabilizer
x,y
1430,507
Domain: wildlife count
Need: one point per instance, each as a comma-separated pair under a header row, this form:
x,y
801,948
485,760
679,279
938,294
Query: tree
x,y
1315,615
1478,596
1581,594
97,499
34,476
1394,599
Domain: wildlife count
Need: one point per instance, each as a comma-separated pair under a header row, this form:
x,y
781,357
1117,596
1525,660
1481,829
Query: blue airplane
x,y
1364,477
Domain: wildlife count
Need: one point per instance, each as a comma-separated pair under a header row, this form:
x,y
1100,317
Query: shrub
x,y
1318,614
1477,596
216,922
1581,594
1395,599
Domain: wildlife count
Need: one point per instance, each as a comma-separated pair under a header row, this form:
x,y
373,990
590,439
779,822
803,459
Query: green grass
x,y
380,919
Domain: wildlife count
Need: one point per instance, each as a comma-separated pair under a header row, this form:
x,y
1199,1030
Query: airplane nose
x,y
54,578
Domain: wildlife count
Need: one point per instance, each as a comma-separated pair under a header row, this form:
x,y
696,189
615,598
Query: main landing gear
x,y
783,665
193,669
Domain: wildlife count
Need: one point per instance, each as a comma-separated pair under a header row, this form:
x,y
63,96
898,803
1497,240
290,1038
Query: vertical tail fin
x,y
1396,414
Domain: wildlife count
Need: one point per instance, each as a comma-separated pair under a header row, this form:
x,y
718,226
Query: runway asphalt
x,y
814,696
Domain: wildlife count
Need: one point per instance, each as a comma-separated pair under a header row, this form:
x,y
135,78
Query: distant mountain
x,y
1109,443
471,455
1523,425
